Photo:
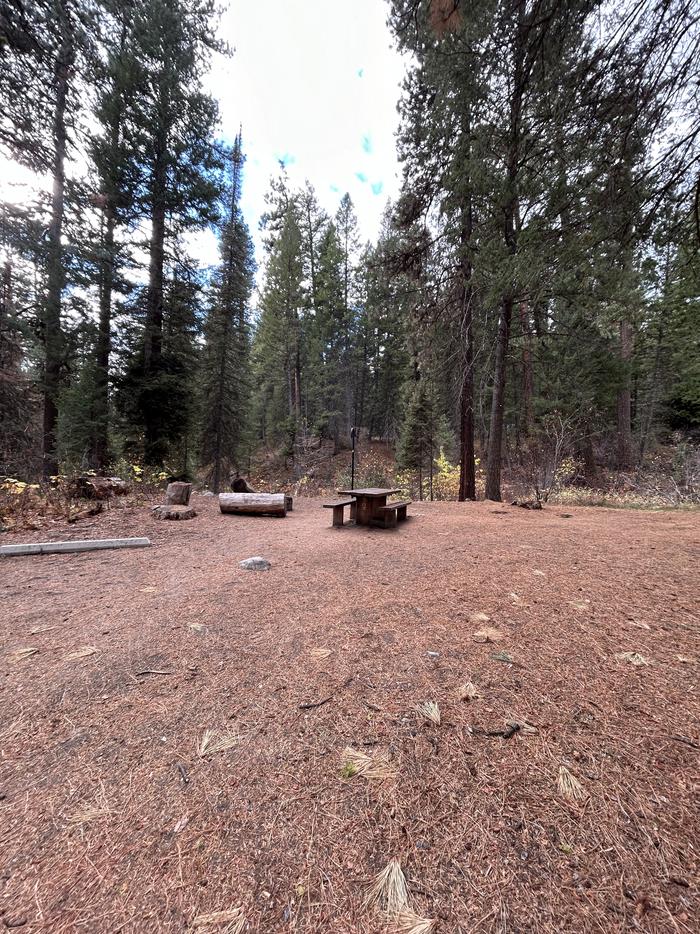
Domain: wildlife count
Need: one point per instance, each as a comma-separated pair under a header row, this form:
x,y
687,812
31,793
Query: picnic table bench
x,y
338,508
389,515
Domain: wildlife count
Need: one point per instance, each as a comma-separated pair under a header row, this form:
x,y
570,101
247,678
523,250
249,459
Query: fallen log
x,y
48,548
89,487
266,504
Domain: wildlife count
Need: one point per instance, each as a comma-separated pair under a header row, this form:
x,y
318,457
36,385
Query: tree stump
x,y
240,485
178,494
270,504
173,512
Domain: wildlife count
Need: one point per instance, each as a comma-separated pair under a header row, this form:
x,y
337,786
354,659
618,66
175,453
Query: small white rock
x,y
255,564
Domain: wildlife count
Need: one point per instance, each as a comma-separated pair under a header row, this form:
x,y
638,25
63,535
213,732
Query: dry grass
x,y
83,652
468,691
18,655
569,786
320,653
388,891
234,919
479,617
633,658
214,741
430,711
408,922
375,767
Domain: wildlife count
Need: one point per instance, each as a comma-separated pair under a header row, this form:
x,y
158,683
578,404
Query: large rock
x,y
255,564
173,512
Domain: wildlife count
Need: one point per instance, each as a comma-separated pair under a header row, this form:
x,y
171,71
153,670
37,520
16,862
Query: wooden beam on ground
x,y
48,548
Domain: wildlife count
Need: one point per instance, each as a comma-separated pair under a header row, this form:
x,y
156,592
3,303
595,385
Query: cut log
x,y
173,512
178,494
267,504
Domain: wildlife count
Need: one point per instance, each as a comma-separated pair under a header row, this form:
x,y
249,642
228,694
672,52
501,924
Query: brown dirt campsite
x,y
485,720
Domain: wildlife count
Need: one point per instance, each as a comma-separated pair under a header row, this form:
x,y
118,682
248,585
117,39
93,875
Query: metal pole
x,y
352,468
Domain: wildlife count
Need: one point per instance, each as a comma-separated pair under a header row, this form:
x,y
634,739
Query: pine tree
x,y
226,383
43,48
278,345
173,130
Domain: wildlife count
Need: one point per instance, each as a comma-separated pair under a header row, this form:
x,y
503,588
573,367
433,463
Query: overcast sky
x,y
314,83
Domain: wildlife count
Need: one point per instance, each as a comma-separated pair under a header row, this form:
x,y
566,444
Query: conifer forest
x,y
532,296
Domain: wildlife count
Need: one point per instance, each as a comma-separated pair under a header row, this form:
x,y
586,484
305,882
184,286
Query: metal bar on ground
x,y
48,548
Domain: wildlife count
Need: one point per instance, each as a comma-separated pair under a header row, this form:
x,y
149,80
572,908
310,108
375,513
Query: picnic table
x,y
370,504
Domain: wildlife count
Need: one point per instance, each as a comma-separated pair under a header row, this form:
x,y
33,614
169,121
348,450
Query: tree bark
x,y
467,471
100,440
527,376
624,400
495,443
53,335
272,504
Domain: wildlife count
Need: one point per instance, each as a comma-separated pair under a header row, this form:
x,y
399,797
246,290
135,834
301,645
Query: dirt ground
x,y
110,821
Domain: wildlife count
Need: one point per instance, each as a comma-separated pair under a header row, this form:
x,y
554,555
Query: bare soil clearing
x,y
118,812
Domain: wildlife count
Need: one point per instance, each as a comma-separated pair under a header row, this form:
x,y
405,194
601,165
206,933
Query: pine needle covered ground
x,y
555,794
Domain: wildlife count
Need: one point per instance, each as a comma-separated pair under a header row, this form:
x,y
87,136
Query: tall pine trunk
x,y
154,306
100,440
53,335
510,237
527,381
467,472
624,400
495,443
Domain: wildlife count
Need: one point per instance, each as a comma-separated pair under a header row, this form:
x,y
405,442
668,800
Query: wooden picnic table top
x,y
372,491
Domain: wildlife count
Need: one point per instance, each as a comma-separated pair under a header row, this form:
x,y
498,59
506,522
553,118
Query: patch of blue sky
x,y
367,144
361,176
360,72
287,159
377,188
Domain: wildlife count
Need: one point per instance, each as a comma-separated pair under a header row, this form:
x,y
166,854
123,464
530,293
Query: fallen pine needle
x,y
234,918
487,634
82,652
213,741
430,711
88,814
17,655
408,922
468,691
372,767
320,653
479,618
388,891
569,786
39,629
634,658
